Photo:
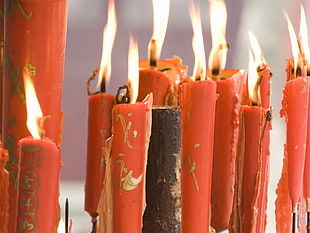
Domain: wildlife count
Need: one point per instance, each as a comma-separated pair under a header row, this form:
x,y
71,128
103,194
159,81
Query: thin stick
x,y
308,222
94,222
67,216
294,221
152,50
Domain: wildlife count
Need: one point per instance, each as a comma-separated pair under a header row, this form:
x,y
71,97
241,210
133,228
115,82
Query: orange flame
x,y
258,55
218,19
303,35
197,42
133,70
294,42
252,80
107,45
34,112
161,10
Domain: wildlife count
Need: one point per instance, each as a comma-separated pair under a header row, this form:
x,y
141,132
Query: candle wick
x,y
94,227
42,121
95,72
123,95
102,85
153,51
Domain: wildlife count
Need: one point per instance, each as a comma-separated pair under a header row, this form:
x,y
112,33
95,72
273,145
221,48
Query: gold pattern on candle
x,y
10,5
127,181
126,128
192,168
31,69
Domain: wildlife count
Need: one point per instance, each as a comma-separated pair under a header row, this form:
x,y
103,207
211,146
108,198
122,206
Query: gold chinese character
x,y
26,202
26,182
25,225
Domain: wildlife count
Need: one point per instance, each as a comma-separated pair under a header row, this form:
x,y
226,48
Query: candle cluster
x,y
214,173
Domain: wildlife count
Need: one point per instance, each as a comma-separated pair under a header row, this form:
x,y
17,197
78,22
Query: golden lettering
x,y
192,168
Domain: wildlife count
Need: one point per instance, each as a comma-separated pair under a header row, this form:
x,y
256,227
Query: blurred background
x,y
83,53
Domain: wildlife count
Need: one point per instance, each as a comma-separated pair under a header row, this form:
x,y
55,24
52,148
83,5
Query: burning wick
x,y
102,85
153,61
41,125
122,95
217,60
256,97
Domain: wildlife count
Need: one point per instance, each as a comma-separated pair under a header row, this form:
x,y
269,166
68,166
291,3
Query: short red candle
x,y
99,129
38,185
4,192
225,143
198,110
295,110
163,80
129,125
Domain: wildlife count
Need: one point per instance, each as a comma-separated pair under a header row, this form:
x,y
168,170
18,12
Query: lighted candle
x,y
35,35
295,110
39,172
99,121
4,192
229,86
130,131
161,77
197,128
252,162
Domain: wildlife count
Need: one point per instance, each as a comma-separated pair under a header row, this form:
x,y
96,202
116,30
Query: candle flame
x,y
218,19
294,42
133,70
258,55
253,82
197,42
107,45
34,112
161,10
303,35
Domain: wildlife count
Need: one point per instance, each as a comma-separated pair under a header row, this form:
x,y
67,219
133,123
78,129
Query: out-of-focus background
x,y
83,52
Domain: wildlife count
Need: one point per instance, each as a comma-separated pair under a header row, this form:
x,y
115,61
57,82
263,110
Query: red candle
x,y
38,185
99,129
225,144
35,33
4,194
198,109
163,80
251,171
295,110
129,150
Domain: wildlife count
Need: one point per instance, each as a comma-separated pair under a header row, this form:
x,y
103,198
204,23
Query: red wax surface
x,y
156,82
4,192
198,110
165,86
128,166
225,143
255,170
99,129
35,32
306,184
295,110
38,185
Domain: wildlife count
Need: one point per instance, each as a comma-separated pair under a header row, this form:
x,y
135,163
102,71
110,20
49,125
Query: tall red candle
x,y
99,129
225,143
4,192
198,109
129,151
35,33
295,110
